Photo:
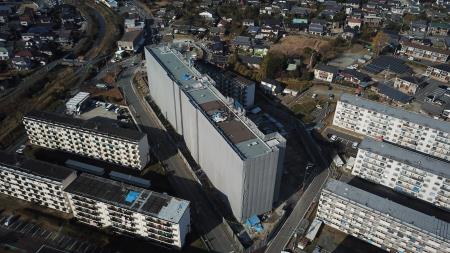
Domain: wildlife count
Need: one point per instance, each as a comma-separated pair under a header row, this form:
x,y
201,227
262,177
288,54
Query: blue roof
x,y
254,220
131,196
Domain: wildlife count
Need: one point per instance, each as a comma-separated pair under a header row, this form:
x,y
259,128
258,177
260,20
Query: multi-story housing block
x,y
35,181
381,222
439,72
89,138
244,164
126,209
405,128
424,52
403,170
237,87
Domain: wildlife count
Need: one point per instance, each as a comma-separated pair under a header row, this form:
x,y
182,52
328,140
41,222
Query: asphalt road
x,y
319,176
205,220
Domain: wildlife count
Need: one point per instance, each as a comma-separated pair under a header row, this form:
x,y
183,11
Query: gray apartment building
x,y
35,181
380,221
241,162
405,171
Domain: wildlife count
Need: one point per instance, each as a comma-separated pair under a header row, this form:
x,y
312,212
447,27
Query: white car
x,y
314,95
355,145
333,138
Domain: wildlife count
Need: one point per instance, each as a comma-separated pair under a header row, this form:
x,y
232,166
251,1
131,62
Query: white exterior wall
x,y
376,228
42,191
395,130
121,220
403,177
91,144
323,75
226,169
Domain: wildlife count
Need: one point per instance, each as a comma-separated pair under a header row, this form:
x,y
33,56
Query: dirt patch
x,y
295,45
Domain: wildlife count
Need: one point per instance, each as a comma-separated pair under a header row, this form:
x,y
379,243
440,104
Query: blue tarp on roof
x,y
131,196
254,223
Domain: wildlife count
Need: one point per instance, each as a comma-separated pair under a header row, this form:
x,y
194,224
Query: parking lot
x,y
345,142
33,235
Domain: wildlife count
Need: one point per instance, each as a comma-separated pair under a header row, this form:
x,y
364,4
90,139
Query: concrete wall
x,y
249,185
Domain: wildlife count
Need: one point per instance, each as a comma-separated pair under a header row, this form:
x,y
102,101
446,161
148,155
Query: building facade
x,y
242,163
408,129
439,72
88,138
35,181
424,52
405,171
325,73
408,84
126,209
381,222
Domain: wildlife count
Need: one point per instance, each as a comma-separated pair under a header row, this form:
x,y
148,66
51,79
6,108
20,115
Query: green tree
x,y
272,65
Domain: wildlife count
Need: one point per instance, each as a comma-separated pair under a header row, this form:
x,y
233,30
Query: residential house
x,y
253,62
242,42
439,72
439,28
372,20
22,63
353,3
419,28
424,52
131,41
5,13
271,27
253,30
354,76
248,22
271,86
354,23
390,93
207,15
27,18
408,84
325,73
317,28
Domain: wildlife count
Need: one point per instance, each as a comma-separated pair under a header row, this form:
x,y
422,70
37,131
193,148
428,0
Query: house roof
x,y
356,74
393,93
426,48
444,67
327,68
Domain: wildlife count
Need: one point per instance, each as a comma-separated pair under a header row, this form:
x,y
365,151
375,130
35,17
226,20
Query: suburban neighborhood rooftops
x,y
130,36
89,125
35,167
406,156
396,112
129,197
385,206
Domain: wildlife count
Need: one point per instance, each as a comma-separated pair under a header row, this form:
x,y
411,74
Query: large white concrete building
x,y
381,222
126,209
242,163
405,128
89,138
404,170
35,181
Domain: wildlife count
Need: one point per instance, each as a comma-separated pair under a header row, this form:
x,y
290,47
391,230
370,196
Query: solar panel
x,y
388,63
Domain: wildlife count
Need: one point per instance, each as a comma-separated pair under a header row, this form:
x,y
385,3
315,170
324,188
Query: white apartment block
x,y
130,210
439,72
89,138
404,128
424,52
405,171
35,181
381,222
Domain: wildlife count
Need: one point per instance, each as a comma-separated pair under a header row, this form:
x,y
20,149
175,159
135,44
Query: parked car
x,y
333,138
